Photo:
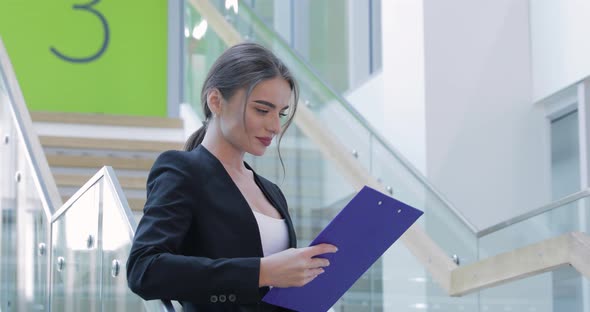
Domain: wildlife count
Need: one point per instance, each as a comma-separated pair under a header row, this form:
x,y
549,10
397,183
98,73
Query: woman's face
x,y
267,105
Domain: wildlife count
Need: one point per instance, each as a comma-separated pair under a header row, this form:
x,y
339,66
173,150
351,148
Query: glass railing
x,y
336,115
561,289
24,227
91,238
569,214
86,274
316,189
28,197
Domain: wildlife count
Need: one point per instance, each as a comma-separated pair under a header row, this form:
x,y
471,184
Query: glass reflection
x,y
23,223
76,283
229,4
8,204
116,243
200,30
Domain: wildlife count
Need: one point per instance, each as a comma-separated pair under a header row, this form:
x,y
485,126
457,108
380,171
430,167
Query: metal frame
x,y
584,144
64,208
175,58
561,103
543,209
584,131
120,197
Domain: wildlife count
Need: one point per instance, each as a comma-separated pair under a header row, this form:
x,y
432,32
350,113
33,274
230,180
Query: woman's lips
x,y
265,141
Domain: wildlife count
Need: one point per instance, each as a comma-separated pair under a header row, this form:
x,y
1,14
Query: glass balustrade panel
x,y
32,234
316,189
117,234
346,126
571,217
24,228
439,221
76,254
8,203
562,289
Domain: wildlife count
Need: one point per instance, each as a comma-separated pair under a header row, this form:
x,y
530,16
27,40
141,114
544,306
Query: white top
x,y
274,233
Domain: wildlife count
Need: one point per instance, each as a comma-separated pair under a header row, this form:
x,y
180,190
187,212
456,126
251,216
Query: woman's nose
x,y
274,124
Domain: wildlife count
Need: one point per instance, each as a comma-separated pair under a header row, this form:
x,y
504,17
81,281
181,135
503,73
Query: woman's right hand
x,y
294,267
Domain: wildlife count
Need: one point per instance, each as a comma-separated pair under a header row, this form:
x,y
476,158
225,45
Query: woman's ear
x,y
214,101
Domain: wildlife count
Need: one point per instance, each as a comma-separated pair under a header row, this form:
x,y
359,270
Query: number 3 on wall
x,y
105,42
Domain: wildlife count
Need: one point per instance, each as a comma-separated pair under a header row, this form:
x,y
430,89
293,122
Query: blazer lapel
x,y
245,208
240,205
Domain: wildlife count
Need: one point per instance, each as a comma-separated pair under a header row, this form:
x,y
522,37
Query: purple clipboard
x,y
369,224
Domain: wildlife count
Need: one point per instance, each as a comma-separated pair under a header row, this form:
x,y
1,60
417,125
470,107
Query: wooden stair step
x,y
98,162
136,204
109,144
136,183
104,119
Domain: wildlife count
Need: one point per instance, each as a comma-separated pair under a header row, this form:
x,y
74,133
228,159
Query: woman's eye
x,y
283,115
261,111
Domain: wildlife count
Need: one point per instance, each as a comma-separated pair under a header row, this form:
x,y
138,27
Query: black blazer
x,y
198,241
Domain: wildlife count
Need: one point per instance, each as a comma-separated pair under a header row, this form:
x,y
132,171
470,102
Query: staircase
x,y
78,145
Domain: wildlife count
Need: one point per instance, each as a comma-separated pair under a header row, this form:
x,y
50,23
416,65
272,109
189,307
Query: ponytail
x,y
196,138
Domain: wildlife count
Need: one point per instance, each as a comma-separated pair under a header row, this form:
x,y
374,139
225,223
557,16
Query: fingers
x,y
310,276
321,249
314,272
318,263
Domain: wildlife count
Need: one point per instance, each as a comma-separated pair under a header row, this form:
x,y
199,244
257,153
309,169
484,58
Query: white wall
x,y
368,99
403,124
486,142
560,45
403,78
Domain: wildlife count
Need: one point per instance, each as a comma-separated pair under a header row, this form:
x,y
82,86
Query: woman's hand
x,y
294,267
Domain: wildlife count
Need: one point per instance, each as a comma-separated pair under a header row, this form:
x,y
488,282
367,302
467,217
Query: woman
x,y
215,235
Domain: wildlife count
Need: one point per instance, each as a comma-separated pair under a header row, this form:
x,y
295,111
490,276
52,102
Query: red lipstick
x,y
265,140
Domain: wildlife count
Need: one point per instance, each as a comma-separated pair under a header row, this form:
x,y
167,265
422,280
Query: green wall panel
x,y
126,78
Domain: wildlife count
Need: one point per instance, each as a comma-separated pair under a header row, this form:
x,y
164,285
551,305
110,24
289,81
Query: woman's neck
x,y
230,157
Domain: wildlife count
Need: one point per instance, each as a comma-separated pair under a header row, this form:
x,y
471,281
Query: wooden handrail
x,y
568,249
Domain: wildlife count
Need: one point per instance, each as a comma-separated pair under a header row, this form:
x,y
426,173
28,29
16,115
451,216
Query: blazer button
x,y
222,298
232,298
213,299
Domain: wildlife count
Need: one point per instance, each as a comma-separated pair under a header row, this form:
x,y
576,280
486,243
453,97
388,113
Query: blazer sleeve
x,y
156,269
